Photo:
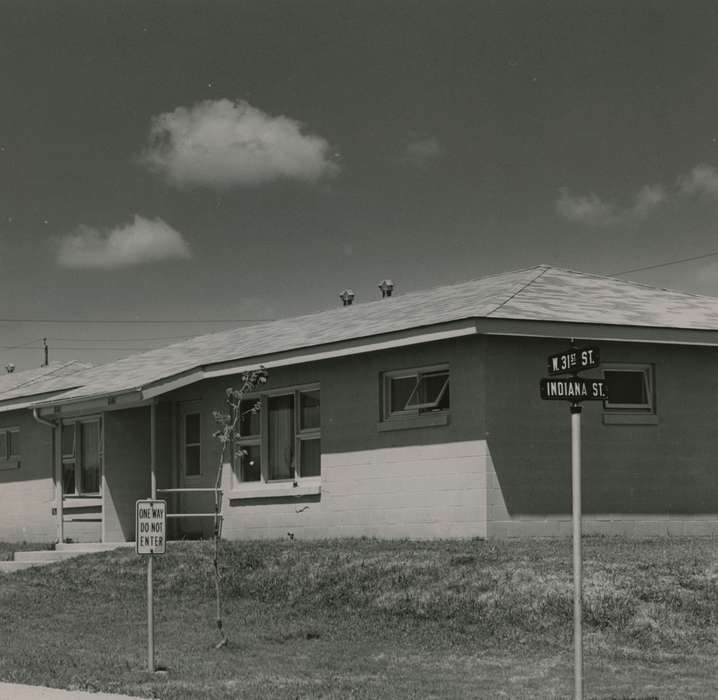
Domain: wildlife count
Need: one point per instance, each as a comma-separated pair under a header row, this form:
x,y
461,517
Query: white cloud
x,y
648,198
702,180
142,241
421,151
584,209
219,144
593,211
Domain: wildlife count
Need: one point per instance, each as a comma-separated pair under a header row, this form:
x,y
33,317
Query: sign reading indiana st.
x,y
573,389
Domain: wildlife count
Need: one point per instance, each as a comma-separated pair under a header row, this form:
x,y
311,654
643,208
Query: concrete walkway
x,y
15,691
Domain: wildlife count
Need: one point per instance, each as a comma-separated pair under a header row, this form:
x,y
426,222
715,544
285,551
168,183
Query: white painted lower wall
x,y
26,512
421,492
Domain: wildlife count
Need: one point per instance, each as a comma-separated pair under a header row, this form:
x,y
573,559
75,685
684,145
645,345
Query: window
x,y
630,388
10,447
414,392
280,436
81,457
192,444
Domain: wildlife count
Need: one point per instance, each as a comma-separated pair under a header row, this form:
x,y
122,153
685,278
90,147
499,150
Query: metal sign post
x,y
575,389
577,555
150,539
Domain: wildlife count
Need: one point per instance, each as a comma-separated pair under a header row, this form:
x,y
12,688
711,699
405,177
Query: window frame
x,y
76,456
10,460
261,439
649,379
194,410
387,415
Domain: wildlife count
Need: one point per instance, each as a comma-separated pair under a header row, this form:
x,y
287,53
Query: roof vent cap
x,y
347,297
387,287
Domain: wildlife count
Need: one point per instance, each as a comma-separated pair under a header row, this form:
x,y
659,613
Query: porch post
x,y
57,458
153,449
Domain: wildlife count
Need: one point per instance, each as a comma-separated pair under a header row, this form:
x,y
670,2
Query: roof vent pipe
x,y
387,287
347,297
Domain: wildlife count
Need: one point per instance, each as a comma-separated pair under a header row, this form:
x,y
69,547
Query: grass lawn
x,y
371,619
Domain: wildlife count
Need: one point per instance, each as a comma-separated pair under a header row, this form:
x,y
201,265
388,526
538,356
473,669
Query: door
x,y
194,471
81,466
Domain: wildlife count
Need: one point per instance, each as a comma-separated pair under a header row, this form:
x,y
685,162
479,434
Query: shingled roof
x,y
55,376
540,293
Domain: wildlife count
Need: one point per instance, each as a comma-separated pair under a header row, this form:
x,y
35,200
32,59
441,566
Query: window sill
x,y
7,464
274,491
426,420
69,502
630,419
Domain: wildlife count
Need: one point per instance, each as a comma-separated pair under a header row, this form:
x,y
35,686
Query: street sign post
x,y
150,539
575,389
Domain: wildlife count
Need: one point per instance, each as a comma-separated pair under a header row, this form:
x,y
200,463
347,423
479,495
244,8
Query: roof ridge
x,y
426,290
543,270
633,283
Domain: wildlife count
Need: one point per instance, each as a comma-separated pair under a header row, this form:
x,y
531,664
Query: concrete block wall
x,y
425,481
126,470
27,494
638,479
419,492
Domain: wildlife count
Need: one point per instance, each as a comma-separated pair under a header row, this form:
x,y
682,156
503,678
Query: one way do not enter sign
x,y
151,527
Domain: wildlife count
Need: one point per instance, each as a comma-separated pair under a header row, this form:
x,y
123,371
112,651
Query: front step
x,y
85,547
45,555
24,560
7,567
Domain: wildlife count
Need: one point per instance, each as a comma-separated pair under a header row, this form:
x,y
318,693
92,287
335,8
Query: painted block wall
x,y
26,493
420,482
126,470
638,479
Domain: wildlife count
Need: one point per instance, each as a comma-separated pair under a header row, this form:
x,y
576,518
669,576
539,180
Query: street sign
x,y
151,527
573,360
574,389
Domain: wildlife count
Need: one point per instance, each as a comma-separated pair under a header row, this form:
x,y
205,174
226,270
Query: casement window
x,y
81,457
282,439
192,443
631,388
9,448
414,392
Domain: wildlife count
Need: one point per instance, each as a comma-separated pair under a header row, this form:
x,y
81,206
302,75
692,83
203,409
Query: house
x,y
27,496
416,415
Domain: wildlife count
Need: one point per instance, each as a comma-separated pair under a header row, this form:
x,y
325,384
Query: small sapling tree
x,y
229,434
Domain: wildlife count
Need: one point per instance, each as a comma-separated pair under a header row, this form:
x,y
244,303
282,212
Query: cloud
x,y
142,241
220,144
584,209
591,210
420,152
702,180
648,198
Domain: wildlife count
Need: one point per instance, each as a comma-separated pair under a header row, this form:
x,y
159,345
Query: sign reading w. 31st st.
x,y
574,360
574,389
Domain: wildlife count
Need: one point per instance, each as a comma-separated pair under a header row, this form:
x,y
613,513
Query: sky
x,y
174,168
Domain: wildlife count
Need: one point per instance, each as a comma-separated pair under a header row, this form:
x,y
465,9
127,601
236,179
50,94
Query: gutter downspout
x,y
56,474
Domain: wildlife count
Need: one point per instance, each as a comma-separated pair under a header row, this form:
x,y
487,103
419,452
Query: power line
x,y
118,340
157,320
666,264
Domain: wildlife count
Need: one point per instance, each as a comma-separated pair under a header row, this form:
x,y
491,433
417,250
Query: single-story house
x,y
416,415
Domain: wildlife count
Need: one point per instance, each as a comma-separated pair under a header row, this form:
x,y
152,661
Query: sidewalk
x,y
15,691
